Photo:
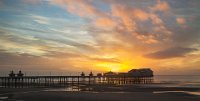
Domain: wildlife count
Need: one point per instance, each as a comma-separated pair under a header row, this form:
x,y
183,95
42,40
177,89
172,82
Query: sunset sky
x,y
100,35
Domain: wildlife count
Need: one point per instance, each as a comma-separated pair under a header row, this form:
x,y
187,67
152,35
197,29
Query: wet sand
x,y
106,93
101,96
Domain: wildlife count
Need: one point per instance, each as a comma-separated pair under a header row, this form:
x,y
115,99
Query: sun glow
x,y
109,66
115,67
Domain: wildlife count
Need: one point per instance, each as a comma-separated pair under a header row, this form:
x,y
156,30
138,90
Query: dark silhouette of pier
x,y
134,76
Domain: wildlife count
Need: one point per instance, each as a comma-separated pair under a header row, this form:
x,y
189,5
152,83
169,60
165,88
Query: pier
x,y
132,77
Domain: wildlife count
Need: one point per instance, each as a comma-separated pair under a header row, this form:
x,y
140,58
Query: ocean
x,y
178,80
186,81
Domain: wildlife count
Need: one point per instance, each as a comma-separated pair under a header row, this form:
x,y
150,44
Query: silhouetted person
x,y
91,74
12,74
82,74
20,74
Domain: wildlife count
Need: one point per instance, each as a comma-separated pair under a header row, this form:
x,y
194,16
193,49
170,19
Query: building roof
x,y
144,72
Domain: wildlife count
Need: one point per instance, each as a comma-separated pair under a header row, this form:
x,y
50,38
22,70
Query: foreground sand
x,y
116,93
102,96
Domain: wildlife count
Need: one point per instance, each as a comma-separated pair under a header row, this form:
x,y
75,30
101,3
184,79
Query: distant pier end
x,y
144,72
134,76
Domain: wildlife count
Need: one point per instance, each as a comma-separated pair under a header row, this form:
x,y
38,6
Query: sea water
x,y
178,80
186,81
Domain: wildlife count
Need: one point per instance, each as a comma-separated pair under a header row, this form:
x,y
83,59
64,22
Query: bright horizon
x,y
71,36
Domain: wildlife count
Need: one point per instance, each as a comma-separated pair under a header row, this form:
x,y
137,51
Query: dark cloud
x,y
18,59
170,53
26,62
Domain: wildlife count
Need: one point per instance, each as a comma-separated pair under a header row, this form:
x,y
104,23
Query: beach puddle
x,y
194,93
113,92
74,88
160,92
3,98
186,92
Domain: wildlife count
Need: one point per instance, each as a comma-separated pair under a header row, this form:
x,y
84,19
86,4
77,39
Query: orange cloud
x,y
161,6
81,8
141,15
180,20
156,19
128,16
159,25
124,15
105,22
148,39
121,17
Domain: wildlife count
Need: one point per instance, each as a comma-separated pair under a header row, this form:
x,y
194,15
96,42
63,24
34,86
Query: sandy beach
x,y
102,96
116,93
